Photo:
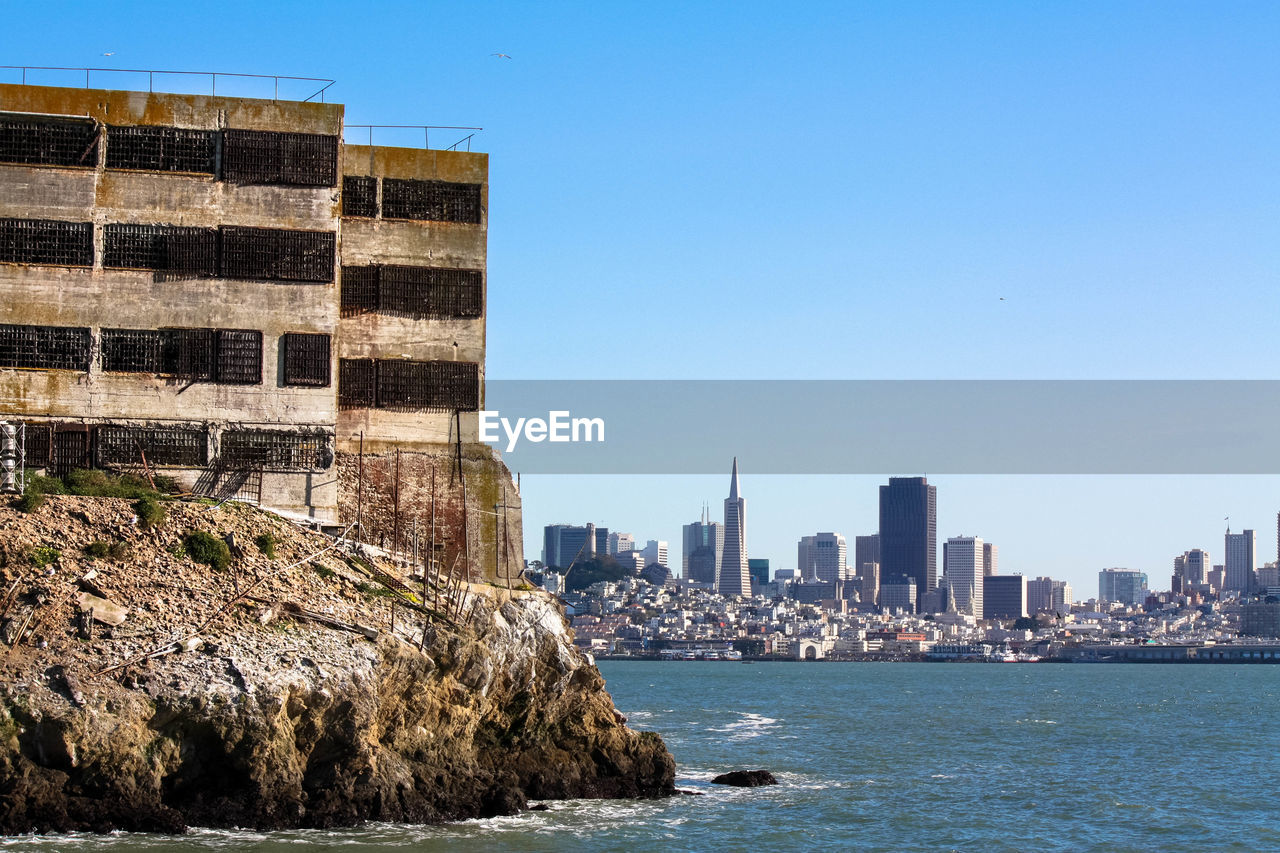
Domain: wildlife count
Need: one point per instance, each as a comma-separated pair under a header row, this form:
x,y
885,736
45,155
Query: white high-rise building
x,y
620,543
822,557
1241,560
735,577
962,565
655,551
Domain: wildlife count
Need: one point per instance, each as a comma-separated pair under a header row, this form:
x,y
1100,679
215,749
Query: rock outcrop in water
x,y
282,695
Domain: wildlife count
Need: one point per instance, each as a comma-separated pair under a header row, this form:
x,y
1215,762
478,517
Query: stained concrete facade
x,y
227,325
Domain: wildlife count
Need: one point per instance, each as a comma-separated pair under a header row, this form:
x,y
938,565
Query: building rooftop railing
x,y
170,75
425,128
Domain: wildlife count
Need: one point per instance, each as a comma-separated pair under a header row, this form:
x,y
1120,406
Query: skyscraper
x,y
1004,597
909,532
1192,568
866,549
735,578
964,574
822,557
990,560
1241,560
702,549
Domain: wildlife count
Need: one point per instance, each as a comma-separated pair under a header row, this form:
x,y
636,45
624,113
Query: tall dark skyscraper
x,y
909,532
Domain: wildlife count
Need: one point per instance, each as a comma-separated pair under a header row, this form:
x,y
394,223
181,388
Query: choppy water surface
x,y
896,757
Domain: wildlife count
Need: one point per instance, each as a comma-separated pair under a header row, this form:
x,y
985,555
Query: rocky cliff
x,y
300,685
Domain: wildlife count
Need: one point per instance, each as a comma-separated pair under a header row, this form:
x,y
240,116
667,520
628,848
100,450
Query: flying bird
x,y
110,53
503,55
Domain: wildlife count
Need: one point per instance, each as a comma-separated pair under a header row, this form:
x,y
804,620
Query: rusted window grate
x,y
436,201
45,347
50,142
359,290
70,450
359,195
417,292
132,350
38,447
162,149
161,247
267,157
275,450
239,357
357,383
416,386
124,445
228,356
46,241
277,254
306,359
420,292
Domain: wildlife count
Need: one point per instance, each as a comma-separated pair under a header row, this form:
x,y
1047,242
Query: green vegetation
x,y
96,549
43,555
374,590
117,551
323,570
150,513
37,487
206,548
266,543
100,484
601,567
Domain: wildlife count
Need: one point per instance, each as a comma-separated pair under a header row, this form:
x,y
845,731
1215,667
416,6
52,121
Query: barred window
x,y
359,195
276,450
125,445
162,149
276,254
37,445
357,383
70,450
306,359
229,356
359,290
436,201
409,386
45,347
48,141
132,350
416,292
46,241
267,157
161,247
239,357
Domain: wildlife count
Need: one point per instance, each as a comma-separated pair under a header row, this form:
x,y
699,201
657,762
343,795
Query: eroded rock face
x,y
299,724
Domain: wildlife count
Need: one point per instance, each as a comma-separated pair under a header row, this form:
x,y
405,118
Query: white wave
x,y
749,726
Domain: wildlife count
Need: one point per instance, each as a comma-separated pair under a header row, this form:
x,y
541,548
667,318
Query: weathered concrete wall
x,y
494,544
112,298
455,245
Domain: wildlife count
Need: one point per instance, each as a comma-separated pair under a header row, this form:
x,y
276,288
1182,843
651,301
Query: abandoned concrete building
x,y
221,289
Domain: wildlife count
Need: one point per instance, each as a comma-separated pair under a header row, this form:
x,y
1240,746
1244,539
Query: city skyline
x,y
1079,569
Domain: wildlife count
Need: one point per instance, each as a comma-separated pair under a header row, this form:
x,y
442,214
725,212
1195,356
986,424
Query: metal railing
x,y
426,132
151,74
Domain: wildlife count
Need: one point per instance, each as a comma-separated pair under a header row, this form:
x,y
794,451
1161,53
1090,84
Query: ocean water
x,y
895,757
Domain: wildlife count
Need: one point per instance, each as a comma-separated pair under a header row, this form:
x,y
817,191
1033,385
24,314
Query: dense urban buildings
x,y
909,533
735,577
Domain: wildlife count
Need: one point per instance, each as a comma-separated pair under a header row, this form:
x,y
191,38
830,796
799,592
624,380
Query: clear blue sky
x,y
836,190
